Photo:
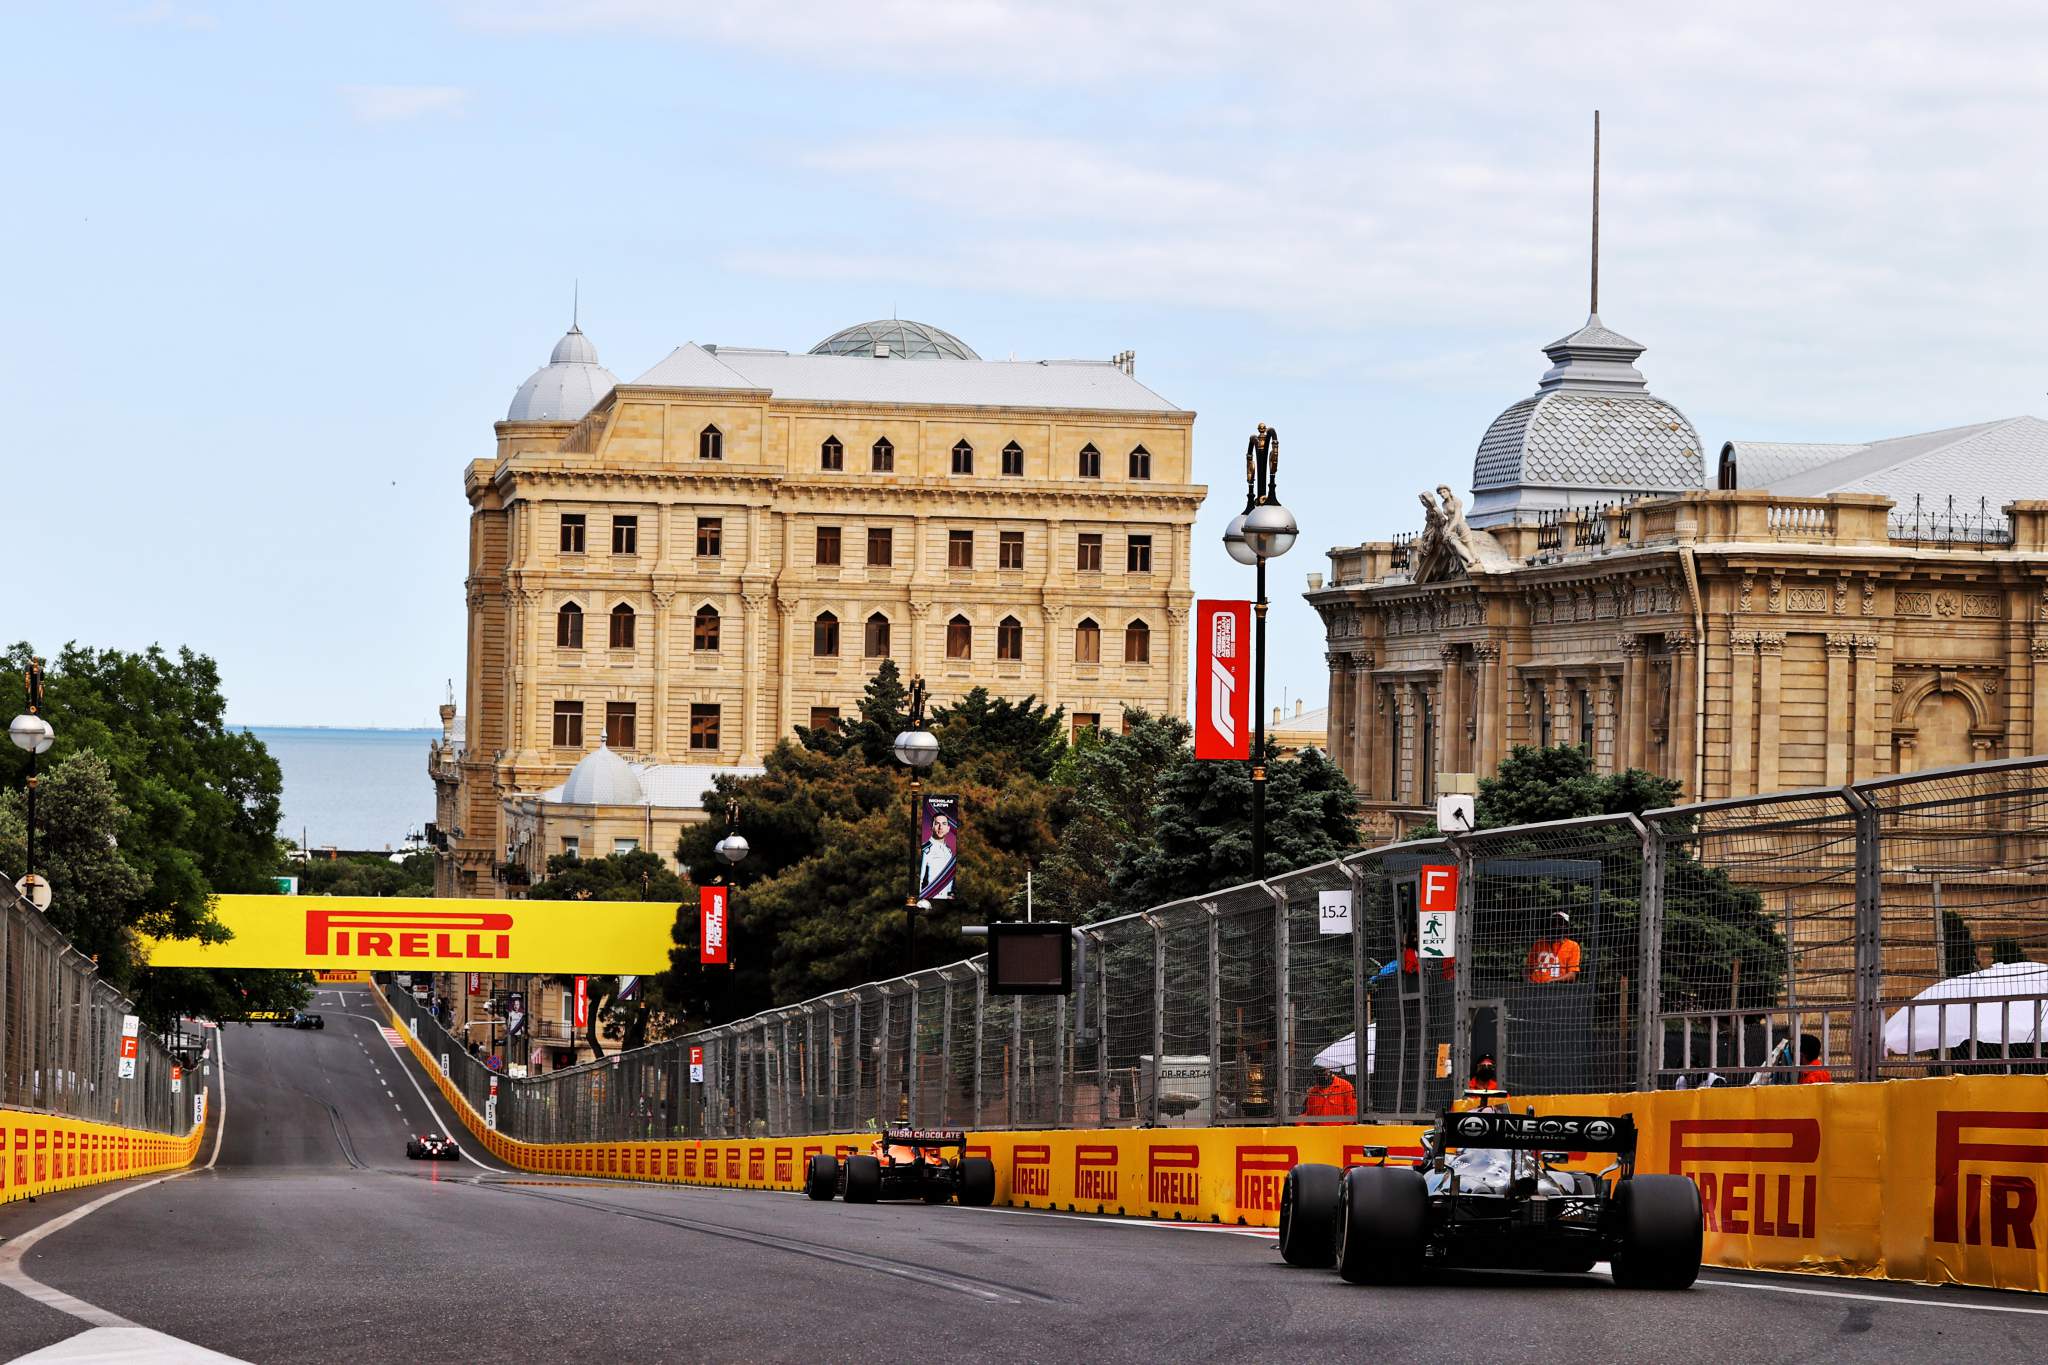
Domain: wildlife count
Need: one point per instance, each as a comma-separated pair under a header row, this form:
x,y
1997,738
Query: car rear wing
x,y
924,1137
1540,1133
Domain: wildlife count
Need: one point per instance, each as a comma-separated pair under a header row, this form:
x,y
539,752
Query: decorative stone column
x,y
1770,655
1450,712
753,620
1681,727
664,743
1839,699
1632,749
1741,713
1489,705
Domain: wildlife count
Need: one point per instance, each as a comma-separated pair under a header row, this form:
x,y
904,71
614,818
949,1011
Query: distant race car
x,y
298,1019
431,1147
908,1163
1490,1192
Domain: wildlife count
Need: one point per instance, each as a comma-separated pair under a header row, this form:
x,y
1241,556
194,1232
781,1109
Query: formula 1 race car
x,y
1490,1191
298,1019
431,1147
908,1163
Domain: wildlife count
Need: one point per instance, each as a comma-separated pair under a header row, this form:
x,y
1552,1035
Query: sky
x,y
271,272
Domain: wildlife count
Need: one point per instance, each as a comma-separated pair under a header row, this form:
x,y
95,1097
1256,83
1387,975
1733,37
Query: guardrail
x,y
1725,928
60,1035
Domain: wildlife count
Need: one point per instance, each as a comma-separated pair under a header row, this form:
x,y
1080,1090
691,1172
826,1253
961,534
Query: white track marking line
x,y
432,1112
99,1345
1876,1298
1109,1220
19,1280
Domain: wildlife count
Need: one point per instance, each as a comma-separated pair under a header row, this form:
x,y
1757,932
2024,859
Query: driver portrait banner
x,y
424,933
939,847
1223,674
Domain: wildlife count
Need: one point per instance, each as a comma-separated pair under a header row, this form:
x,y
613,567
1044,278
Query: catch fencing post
x,y
1059,1060
1101,957
882,1063
980,1012
945,1047
1462,940
1866,1035
1215,1011
1016,1066
1650,959
1158,1011
1360,1050
1283,1005
913,1075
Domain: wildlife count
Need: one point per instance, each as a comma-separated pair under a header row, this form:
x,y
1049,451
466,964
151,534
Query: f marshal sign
x,y
417,933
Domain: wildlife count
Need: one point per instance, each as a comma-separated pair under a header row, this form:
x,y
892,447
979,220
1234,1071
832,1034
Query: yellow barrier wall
x,y
40,1153
1935,1180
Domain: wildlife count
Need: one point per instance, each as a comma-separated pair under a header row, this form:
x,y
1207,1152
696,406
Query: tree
x,y
988,739
201,807
1105,787
883,714
94,888
1202,827
635,876
363,874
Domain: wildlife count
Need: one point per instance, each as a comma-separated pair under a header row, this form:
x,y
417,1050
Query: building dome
x,y
1592,432
602,778
896,340
567,387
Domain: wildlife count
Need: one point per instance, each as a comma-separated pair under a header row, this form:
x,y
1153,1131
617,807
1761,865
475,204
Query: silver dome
x,y
567,387
897,340
602,778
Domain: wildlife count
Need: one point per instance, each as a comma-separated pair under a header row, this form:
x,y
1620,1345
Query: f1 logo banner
x,y
711,906
415,933
582,1002
1223,670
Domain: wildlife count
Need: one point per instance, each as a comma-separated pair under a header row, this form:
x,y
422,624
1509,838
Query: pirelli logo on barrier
x,y
1261,1171
1031,1170
1095,1173
1976,1207
1173,1174
1757,1177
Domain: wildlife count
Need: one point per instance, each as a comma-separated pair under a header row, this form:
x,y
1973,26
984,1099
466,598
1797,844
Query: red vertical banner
x,y
1223,674
476,983
711,903
582,1002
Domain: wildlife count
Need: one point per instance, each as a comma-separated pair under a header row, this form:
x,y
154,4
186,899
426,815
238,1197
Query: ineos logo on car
x,y
1473,1126
1599,1130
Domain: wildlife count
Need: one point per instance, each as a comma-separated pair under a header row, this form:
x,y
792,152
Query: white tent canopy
x,y
1342,1055
1942,1016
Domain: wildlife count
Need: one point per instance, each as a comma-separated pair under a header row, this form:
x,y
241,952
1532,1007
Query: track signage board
x,y
419,933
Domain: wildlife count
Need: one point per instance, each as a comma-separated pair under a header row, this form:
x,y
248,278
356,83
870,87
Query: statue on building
x,y
1446,544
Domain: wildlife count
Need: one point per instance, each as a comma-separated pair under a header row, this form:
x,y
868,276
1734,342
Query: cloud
x,y
399,103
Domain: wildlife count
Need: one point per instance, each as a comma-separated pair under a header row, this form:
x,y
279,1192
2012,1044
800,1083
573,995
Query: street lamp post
x,y
733,848
32,733
917,749
1264,530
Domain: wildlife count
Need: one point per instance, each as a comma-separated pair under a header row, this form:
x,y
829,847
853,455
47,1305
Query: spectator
x,y
1555,958
1330,1096
1812,1070
1484,1079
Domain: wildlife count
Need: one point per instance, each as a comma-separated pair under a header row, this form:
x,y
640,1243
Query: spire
x,y
1595,309
576,288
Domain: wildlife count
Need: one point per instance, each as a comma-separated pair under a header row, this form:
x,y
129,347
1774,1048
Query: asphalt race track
x,y
312,1238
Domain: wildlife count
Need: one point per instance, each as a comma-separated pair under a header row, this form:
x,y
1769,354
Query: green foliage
x,y
1106,787
200,805
363,874
1201,835
987,739
1536,785
2006,949
95,889
883,714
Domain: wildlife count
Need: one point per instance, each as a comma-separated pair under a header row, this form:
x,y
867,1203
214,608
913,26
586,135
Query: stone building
x,y
1825,613
687,566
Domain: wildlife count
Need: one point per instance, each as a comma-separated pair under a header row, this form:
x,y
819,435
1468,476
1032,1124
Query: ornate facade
x,y
728,547
1739,640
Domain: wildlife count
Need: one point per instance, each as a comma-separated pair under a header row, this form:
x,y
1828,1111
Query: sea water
x,y
351,789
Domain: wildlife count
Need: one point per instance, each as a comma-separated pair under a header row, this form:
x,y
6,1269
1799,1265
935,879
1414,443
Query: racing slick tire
x,y
821,1177
977,1182
1660,1228
1308,1215
1382,1222
863,1180
321,1022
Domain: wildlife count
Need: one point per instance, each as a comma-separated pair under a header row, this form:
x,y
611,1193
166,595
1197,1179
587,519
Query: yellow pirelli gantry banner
x,y
415,933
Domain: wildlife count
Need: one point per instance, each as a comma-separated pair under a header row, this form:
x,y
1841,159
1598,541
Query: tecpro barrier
x,y
40,1153
1934,1180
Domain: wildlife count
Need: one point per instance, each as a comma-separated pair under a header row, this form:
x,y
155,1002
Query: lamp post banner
x,y
423,933
939,853
1223,688
711,917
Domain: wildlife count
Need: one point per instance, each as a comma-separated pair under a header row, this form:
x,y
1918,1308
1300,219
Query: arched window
x,y
711,444
1087,642
831,455
963,458
569,627
1013,460
825,636
705,635
1137,643
1009,638
1091,462
1141,463
877,637
884,461
959,639
622,627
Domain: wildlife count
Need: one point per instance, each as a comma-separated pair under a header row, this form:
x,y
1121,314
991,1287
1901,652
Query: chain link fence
x,y
1892,928
60,1035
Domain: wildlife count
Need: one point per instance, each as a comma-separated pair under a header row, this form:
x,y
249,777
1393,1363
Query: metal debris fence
x,y
60,1035
1734,942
